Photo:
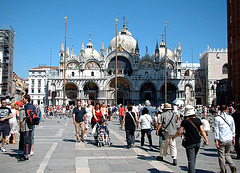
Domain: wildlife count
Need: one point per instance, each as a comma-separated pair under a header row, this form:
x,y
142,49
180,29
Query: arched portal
x,y
71,93
171,93
148,92
123,91
91,92
123,65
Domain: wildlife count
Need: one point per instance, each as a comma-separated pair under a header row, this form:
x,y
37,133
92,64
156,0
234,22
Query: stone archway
x,y
123,91
171,93
91,91
71,93
148,92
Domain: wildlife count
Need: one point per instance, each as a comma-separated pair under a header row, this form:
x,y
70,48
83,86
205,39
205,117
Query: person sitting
x,y
104,132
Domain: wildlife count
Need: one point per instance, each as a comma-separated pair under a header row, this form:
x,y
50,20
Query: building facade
x,y
6,61
91,75
233,17
213,67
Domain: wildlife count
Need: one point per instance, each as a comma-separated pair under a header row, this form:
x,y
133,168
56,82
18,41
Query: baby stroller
x,y
100,135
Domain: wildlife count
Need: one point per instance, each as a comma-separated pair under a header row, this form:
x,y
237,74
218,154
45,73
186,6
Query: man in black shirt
x,y
5,115
79,117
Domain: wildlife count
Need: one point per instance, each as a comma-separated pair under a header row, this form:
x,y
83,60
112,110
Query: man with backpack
x,y
25,142
29,107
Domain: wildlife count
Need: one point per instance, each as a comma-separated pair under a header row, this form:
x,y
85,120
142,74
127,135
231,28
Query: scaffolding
x,y
6,61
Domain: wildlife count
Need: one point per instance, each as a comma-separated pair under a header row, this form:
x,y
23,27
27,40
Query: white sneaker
x,y
3,149
85,135
31,153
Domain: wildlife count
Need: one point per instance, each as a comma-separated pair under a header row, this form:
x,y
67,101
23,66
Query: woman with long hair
x,y
97,115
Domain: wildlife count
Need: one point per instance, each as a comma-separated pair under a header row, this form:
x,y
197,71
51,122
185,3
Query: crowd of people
x,y
191,123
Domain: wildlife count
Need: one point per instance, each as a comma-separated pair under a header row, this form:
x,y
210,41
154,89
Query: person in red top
x,y
97,115
121,113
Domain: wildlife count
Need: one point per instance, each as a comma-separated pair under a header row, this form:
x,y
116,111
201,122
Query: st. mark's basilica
x,y
91,74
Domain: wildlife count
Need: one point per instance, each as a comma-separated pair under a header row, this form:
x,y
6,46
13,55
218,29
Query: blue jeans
x,y
192,151
120,119
130,137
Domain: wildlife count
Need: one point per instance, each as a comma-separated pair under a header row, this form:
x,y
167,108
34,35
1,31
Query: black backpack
x,y
31,117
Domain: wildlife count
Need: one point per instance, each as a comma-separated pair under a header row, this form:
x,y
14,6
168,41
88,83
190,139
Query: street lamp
x,y
116,66
64,81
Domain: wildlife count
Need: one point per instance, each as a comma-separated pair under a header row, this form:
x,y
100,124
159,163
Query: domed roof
x,y
162,52
124,39
91,53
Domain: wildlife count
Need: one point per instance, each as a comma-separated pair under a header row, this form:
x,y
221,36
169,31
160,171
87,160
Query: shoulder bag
x,y
184,142
161,131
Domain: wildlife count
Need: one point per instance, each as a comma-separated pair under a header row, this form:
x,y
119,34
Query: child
x,y
104,132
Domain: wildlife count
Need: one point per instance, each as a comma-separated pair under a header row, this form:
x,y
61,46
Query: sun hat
x,y
19,103
189,110
167,106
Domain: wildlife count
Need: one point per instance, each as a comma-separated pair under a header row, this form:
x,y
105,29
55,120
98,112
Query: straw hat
x,y
167,106
189,110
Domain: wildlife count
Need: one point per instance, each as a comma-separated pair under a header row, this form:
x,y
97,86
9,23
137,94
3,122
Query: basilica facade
x,y
91,74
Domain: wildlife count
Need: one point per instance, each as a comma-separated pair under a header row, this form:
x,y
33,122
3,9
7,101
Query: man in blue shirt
x,y
224,134
151,110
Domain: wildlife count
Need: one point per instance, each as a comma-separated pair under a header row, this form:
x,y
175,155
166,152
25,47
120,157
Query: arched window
x,y
146,74
72,73
92,73
225,69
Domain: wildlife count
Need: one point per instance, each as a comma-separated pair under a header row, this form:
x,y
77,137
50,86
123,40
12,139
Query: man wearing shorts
x,y
5,115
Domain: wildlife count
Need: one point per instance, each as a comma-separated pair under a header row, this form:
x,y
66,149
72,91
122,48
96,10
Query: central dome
x,y
125,40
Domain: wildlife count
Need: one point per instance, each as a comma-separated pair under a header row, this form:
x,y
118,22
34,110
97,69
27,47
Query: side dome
x,y
91,53
124,39
162,52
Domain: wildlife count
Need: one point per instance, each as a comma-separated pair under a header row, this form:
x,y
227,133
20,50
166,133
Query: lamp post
x,y
64,81
116,66
165,62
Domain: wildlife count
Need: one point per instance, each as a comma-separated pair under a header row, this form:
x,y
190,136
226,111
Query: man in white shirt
x,y
224,134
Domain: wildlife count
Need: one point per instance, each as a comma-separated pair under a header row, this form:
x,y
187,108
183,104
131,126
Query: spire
x,y
82,48
174,50
137,49
62,48
72,51
67,51
157,48
179,46
102,47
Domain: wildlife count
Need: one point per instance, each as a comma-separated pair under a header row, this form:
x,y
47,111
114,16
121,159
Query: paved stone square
x,y
55,150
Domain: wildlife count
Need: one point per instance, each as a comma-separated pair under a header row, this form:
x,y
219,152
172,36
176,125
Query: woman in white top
x,y
104,110
89,110
145,121
13,125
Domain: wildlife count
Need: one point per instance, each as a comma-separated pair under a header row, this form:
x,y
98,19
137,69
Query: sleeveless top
x,y
89,111
129,123
98,115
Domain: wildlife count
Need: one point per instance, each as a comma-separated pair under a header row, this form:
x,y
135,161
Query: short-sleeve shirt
x,y
22,118
165,118
192,135
79,114
4,112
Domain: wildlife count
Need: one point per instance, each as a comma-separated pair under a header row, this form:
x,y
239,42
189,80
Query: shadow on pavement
x,y
184,168
142,157
210,154
69,140
14,153
210,149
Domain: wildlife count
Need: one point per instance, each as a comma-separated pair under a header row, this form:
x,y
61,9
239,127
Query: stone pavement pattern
x,y
57,151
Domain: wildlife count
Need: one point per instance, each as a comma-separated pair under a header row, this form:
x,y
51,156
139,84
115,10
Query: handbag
x,y
184,141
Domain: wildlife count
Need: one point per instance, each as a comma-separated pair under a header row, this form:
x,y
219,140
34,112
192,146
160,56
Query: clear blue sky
x,y
40,26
